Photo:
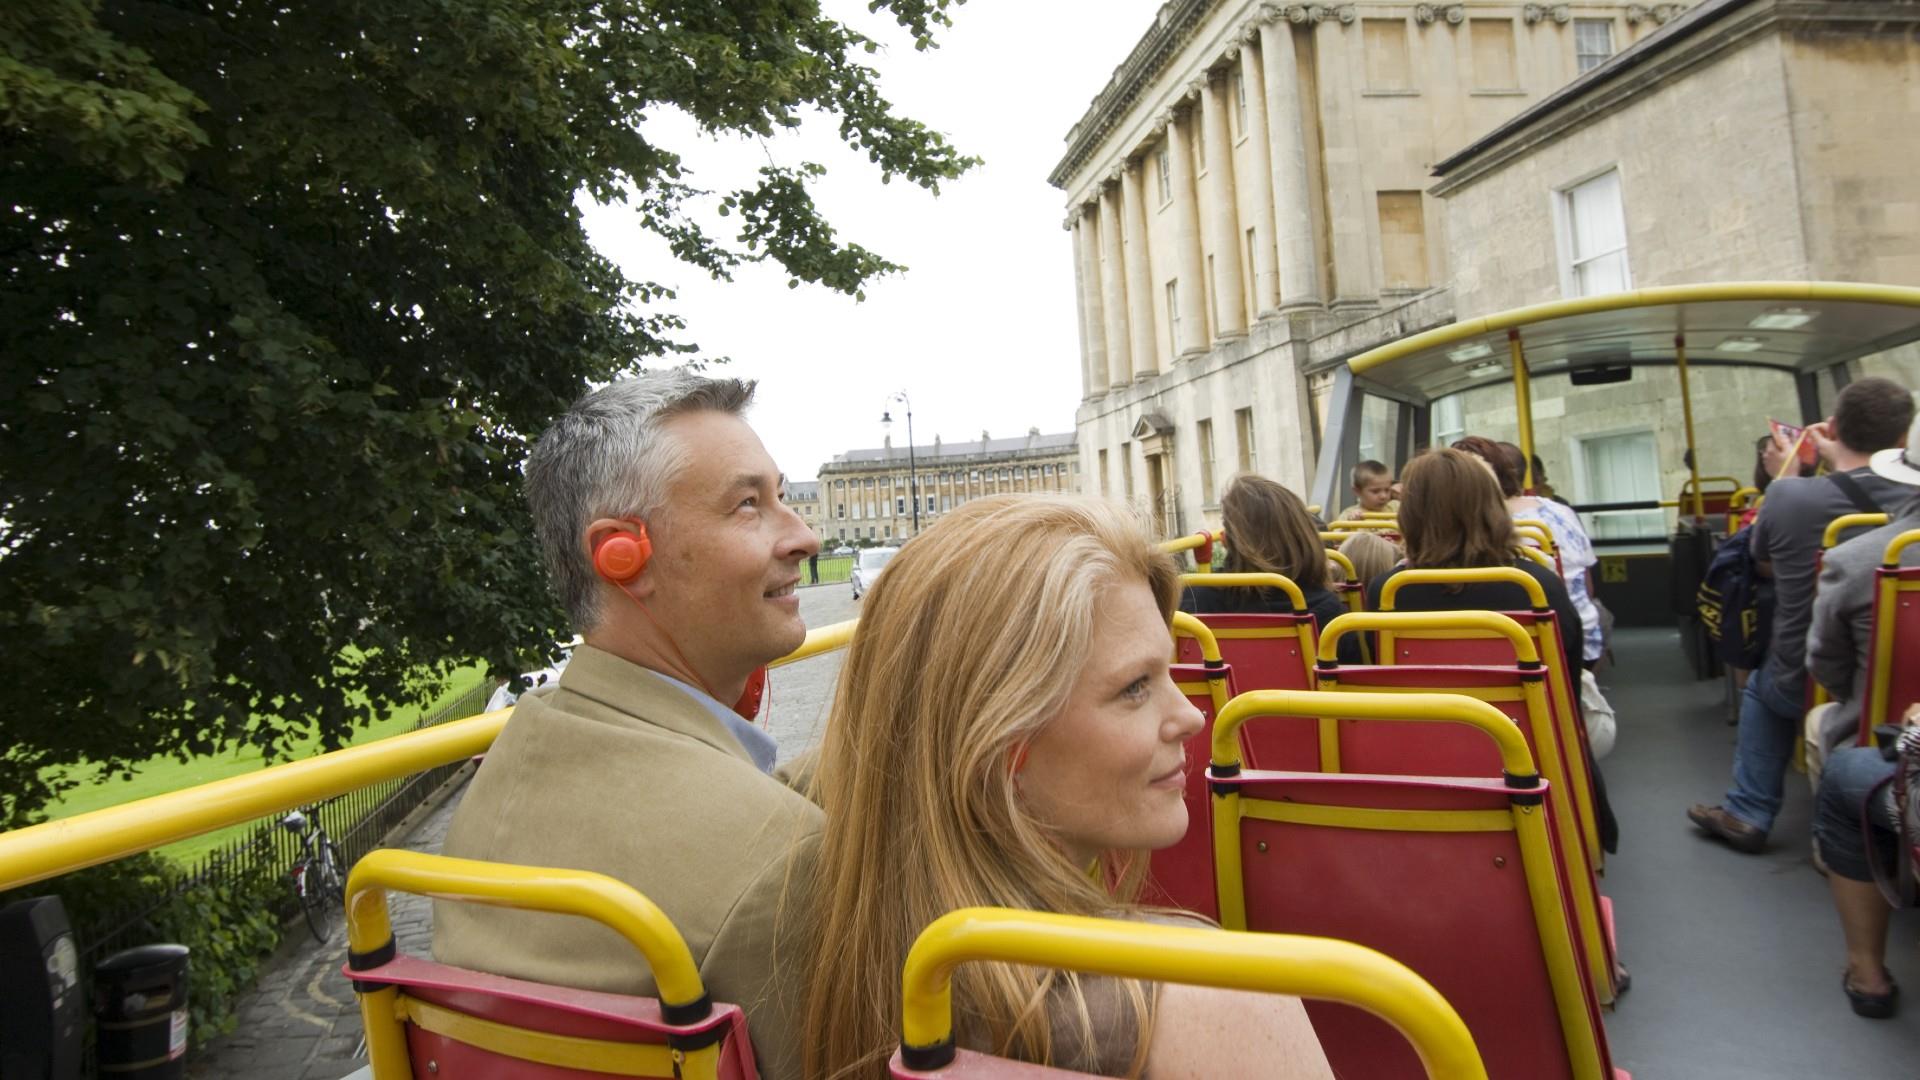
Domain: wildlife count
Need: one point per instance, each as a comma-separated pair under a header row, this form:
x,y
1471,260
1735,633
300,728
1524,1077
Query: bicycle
x,y
318,874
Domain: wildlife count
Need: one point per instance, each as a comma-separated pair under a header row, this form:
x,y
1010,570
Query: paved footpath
x,y
301,1021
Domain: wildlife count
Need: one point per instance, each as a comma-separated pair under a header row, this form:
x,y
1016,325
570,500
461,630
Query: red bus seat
x,y
1453,876
1471,647
1411,1012
1266,652
1516,688
427,1019
1892,686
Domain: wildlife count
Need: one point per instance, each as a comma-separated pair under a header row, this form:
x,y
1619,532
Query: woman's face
x,y
1110,770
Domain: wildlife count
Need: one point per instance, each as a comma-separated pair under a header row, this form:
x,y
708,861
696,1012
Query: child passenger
x,y
1006,733
1373,488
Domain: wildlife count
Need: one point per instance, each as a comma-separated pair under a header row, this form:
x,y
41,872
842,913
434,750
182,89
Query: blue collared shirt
x,y
758,744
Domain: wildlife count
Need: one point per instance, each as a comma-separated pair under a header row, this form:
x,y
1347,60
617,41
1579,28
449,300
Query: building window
x,y
843,534
1239,103
842,515
1403,240
1173,319
946,502
1592,42
1206,462
1493,67
1126,469
1386,48
929,504
1243,430
1623,467
976,474
1164,166
1449,422
1594,237
899,506
1105,487
889,532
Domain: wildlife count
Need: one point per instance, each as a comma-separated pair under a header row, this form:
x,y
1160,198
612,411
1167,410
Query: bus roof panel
x,y
1796,326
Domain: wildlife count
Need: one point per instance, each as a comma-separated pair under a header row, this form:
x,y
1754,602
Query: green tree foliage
x,y
287,289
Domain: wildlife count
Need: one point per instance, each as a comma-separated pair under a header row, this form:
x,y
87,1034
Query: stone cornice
x,y
1176,22
1699,37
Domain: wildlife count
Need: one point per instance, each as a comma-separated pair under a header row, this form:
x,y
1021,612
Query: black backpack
x,y
1735,604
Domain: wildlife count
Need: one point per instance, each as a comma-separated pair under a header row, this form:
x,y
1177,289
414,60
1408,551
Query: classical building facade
x,y
804,497
868,495
1248,207
1751,140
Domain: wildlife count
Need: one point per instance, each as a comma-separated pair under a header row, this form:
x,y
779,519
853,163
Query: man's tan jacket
x,y
620,772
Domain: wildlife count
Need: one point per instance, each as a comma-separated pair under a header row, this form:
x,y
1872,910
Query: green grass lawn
x,y
832,568
160,775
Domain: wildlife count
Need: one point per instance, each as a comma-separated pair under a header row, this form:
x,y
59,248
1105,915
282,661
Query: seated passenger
x,y
1855,785
1839,638
633,765
1005,732
1371,554
1454,518
1577,559
1268,532
1373,490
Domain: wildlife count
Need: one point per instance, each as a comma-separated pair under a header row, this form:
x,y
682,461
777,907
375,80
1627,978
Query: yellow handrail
x,y
1511,575
1186,625
1515,760
1891,557
1189,542
1738,500
611,903
1348,525
1849,521
50,848
1535,555
1321,969
1251,581
1489,622
1379,515
1344,563
1538,530
819,640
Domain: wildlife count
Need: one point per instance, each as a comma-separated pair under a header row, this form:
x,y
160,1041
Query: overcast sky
x,y
980,330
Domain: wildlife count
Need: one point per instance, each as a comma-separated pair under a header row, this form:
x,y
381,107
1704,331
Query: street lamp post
x,y
913,472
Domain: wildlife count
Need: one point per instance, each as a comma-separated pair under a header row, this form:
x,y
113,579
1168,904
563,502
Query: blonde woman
x,y
1005,732
1371,554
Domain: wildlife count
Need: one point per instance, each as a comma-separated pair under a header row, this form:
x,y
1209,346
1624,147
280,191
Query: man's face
x,y
727,552
1375,493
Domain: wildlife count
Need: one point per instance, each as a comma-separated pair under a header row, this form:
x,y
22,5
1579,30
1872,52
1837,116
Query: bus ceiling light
x,y
1741,344
1787,318
1468,353
1481,371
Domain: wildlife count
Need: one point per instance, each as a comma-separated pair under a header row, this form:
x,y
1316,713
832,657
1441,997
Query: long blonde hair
x,y
967,646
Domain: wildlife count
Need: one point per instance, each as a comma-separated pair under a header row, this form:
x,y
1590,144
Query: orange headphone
x,y
619,558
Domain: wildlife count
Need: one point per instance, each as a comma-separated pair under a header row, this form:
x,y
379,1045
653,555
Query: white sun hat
x,y
1901,464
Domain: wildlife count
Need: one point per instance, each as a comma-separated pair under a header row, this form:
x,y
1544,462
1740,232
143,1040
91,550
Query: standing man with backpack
x,y
1870,415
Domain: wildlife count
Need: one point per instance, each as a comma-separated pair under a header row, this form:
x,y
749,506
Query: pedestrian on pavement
x,y
813,568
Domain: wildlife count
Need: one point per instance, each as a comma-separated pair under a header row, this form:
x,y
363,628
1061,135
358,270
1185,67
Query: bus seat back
x,y
1182,875
1268,652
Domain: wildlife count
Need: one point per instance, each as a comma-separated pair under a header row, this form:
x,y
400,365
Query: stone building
x,y
804,497
867,495
1248,208
1749,140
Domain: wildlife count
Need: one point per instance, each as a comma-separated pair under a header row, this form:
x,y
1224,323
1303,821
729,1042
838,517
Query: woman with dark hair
x,y
1268,532
1577,558
1453,517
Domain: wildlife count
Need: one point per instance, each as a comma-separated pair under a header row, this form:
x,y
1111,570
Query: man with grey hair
x,y
660,517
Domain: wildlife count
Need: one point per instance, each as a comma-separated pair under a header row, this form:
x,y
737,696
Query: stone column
x,y
1299,266
1087,387
1092,319
1265,268
1143,345
1350,204
1223,217
1113,286
1192,319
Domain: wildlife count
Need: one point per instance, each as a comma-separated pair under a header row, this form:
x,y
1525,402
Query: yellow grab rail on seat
x,y
611,903
1251,581
1340,560
1186,625
51,848
1391,524
1535,529
1535,555
1515,759
1536,596
1849,521
1321,969
1491,623
1895,547
1738,500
